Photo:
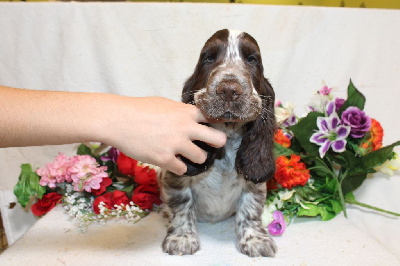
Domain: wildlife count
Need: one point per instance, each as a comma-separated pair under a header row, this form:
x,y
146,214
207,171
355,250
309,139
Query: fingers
x,y
192,152
177,166
209,135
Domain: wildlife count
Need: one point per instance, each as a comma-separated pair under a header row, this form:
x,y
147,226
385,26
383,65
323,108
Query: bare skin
x,y
150,129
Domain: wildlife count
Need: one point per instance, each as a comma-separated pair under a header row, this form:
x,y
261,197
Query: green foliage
x,y
354,98
84,150
303,131
28,185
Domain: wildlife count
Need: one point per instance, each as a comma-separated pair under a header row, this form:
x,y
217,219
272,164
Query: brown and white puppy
x,y
228,86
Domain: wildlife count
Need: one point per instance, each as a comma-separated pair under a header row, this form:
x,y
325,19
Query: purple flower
x,y
339,103
359,122
278,225
330,134
290,121
113,154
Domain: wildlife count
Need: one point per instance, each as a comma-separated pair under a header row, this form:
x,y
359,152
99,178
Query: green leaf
x,y
352,182
84,150
312,210
378,157
336,206
303,131
350,197
279,150
326,214
28,185
354,98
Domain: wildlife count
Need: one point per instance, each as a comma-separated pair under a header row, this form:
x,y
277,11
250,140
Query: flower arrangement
x,y
320,160
323,157
92,185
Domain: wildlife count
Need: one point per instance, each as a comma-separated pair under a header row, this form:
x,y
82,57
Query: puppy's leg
x,y
181,236
253,239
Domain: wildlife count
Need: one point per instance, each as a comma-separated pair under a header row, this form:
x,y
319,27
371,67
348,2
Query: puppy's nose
x,y
229,90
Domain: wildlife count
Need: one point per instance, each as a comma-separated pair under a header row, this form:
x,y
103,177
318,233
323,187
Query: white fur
x,y
233,53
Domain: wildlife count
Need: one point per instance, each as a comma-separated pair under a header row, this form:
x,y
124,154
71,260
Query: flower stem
x,y
342,200
371,207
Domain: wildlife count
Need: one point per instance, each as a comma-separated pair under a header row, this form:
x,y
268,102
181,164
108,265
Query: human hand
x,y
155,130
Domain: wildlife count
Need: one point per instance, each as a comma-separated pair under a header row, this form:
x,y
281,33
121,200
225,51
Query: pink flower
x,y
46,179
325,90
59,168
278,225
86,173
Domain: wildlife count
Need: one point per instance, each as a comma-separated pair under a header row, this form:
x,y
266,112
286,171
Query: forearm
x,y
31,118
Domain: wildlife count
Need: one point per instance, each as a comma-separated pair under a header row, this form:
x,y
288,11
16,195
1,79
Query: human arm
x,y
150,129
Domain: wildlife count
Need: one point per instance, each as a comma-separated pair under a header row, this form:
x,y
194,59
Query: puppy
x,y
229,87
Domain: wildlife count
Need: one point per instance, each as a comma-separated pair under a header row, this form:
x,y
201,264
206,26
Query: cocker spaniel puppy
x,y
228,86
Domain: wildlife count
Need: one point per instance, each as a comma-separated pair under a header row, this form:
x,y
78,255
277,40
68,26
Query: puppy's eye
x,y
209,60
252,60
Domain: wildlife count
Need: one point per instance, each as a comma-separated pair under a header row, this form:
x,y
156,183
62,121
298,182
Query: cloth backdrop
x,y
138,49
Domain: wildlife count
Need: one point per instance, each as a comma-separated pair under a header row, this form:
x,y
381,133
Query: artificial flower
x,y
126,165
112,155
46,179
330,134
325,90
359,122
144,198
106,199
375,141
60,168
390,166
46,203
145,175
290,173
86,174
119,198
278,225
339,103
281,138
106,182
272,185
283,113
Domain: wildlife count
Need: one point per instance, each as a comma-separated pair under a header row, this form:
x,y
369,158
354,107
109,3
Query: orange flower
x,y
290,173
280,138
375,141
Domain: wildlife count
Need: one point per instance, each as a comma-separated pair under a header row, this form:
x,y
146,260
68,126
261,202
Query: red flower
x,y
44,205
272,185
375,141
110,199
103,185
144,198
145,175
120,197
290,173
106,198
126,165
280,138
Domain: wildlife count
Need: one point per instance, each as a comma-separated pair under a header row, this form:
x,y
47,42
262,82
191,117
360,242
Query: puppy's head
x,y
228,86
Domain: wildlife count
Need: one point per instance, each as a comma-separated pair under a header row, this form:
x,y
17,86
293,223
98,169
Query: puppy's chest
x,y
218,190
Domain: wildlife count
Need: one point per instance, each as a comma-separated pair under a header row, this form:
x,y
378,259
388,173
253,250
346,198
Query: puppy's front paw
x,y
255,244
183,244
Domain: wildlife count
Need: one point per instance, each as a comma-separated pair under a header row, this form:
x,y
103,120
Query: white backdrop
x,y
150,49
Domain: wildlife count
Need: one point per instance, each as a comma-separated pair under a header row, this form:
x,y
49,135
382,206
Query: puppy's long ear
x,y
190,87
255,158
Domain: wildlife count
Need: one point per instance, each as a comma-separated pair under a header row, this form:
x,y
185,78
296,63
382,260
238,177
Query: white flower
x,y
266,216
390,166
283,113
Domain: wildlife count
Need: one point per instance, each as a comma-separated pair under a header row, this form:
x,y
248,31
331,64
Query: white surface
x,y
150,49
336,242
